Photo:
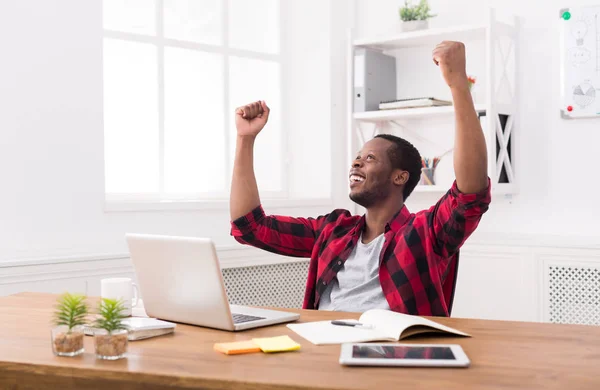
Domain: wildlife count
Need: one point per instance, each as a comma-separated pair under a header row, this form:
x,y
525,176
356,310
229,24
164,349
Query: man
x,y
388,258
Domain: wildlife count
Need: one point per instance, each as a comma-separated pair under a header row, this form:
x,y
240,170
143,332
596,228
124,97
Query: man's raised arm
x,y
457,214
249,121
288,236
470,153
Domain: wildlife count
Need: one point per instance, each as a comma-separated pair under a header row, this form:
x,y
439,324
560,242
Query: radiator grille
x,y
275,285
574,295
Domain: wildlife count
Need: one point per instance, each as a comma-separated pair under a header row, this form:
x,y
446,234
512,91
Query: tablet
x,y
408,355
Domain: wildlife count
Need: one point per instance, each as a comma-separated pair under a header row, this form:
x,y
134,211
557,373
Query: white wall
x,y
309,117
557,196
51,168
51,145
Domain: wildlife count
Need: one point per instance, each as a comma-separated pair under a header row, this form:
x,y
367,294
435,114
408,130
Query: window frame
x,y
205,200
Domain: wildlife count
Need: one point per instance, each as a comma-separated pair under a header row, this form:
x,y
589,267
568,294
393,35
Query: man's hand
x,y
450,57
251,118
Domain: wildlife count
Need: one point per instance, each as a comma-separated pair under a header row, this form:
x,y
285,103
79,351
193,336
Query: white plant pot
x,y
414,25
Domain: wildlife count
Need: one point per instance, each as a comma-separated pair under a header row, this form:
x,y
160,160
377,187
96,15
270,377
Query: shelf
x,y
386,115
506,189
493,50
429,37
434,188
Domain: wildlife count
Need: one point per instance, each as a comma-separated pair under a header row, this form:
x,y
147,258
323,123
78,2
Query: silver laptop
x,y
180,280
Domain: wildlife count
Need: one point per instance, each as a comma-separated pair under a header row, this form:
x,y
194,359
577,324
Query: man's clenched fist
x,y
251,118
450,57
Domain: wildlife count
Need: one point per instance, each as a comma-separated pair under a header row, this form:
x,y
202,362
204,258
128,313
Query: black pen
x,y
351,323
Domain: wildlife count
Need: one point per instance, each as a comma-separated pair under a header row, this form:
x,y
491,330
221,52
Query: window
x,y
174,71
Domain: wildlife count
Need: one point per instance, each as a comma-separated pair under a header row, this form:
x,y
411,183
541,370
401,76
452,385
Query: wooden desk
x,y
503,355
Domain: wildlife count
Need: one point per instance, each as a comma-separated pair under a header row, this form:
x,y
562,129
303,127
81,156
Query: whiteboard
x,y
580,62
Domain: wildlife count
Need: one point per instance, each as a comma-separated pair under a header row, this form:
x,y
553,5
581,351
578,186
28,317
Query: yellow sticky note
x,y
276,344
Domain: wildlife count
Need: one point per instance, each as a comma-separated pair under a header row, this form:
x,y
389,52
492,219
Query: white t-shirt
x,y
356,288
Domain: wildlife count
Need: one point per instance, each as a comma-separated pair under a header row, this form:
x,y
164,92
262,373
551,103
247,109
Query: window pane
x,y
132,16
252,80
194,122
130,117
254,25
194,20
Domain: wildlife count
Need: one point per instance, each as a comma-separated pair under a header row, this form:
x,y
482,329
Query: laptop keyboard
x,y
240,318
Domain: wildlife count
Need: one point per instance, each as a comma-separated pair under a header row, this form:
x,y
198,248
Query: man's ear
x,y
400,177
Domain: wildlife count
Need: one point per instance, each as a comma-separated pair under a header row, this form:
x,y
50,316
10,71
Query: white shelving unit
x,y
493,49
427,112
430,37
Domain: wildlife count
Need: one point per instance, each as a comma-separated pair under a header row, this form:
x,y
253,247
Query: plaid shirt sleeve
x,y
455,217
282,235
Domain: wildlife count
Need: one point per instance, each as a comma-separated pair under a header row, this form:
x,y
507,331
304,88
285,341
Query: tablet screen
x,y
401,352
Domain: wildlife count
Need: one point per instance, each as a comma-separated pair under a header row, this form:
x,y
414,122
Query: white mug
x,y
120,288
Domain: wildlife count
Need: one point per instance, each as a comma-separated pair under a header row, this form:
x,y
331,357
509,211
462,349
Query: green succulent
x,y
420,11
111,315
71,311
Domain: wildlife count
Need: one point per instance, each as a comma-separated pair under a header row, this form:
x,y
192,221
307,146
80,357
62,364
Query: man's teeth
x,y
356,178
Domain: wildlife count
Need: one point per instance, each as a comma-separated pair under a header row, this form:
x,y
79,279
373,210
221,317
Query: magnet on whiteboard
x,y
565,14
569,108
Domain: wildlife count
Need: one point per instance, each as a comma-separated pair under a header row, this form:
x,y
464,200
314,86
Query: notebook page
x,y
393,324
388,322
324,332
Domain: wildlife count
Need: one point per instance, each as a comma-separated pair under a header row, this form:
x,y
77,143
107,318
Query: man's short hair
x,y
405,156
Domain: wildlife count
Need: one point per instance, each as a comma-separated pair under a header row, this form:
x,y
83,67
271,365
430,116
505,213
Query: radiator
x,y
274,285
573,294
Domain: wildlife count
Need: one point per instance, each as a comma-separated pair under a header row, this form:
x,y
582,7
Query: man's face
x,y
371,173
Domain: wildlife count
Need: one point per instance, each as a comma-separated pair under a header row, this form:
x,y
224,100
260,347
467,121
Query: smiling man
x,y
388,258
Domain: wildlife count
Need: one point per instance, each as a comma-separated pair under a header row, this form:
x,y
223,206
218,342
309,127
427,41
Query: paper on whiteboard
x,y
580,61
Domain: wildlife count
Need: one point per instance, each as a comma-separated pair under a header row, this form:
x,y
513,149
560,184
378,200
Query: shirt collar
x,y
397,221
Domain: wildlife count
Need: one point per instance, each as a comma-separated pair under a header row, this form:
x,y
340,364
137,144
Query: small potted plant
x,y
415,17
471,80
110,333
70,318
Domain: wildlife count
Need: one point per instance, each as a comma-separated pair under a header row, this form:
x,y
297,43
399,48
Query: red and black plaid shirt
x,y
415,259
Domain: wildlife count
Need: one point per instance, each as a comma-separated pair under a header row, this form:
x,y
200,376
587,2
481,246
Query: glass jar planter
x,y
110,346
67,342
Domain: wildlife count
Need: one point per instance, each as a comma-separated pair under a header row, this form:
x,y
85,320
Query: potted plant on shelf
x,y
110,333
472,80
70,318
415,17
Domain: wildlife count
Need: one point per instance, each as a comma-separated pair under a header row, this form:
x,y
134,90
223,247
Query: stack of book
x,y
141,328
413,103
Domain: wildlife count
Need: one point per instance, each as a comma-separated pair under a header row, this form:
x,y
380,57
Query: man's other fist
x,y
450,57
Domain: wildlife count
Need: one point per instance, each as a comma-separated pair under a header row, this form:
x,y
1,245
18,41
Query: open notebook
x,y
384,325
